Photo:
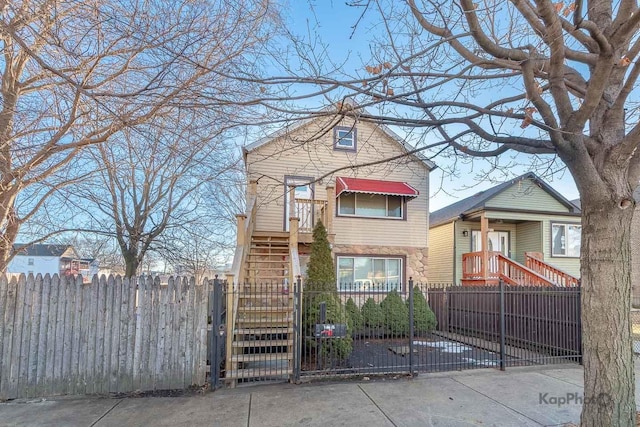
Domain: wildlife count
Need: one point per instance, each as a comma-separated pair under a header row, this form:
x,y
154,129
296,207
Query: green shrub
x,y
372,315
356,319
336,348
396,314
424,320
321,271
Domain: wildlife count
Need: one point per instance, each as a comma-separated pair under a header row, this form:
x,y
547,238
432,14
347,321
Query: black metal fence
x,y
315,331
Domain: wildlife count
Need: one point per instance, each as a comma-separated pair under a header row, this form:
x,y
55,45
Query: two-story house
x,y
50,259
360,179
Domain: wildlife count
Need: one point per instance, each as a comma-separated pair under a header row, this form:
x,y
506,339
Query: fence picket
x,y
36,307
188,366
96,351
75,340
69,298
27,303
123,342
11,338
61,284
16,337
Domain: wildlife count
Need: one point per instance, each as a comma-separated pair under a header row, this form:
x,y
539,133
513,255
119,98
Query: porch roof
x,y
374,186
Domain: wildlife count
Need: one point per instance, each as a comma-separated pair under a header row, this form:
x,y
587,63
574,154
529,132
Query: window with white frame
x,y
565,240
29,261
370,205
344,138
367,273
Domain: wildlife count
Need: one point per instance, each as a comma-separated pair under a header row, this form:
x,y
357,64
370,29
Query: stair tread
x,y
262,357
264,330
263,309
258,373
262,343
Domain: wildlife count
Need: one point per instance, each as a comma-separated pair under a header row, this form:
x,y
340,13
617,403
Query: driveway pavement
x,y
487,397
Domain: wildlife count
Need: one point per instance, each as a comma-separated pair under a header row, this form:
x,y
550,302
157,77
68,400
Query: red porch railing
x,y
554,274
498,267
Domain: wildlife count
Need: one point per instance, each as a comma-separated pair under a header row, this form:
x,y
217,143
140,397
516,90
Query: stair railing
x,y
554,274
236,277
500,267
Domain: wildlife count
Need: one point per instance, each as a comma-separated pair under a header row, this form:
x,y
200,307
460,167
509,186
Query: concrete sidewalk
x,y
485,397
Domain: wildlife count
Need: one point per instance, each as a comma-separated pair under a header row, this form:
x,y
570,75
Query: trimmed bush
x,y
372,315
356,319
396,314
424,320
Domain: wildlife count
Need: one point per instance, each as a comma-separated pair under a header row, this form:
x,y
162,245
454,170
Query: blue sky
x,y
332,22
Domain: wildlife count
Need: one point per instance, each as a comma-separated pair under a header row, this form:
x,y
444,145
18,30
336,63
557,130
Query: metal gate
x,y
217,334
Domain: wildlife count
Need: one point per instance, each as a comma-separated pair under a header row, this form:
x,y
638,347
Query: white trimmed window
x,y
565,240
366,273
370,205
29,261
344,138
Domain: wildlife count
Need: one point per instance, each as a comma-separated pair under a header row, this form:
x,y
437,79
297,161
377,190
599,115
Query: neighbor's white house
x,y
50,259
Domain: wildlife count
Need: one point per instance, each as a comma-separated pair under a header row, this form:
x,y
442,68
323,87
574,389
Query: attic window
x,y
344,138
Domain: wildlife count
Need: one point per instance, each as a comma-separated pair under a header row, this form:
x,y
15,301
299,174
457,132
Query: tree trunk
x,y
606,303
131,265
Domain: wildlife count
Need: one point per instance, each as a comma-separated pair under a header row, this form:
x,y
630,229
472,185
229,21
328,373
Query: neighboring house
x,y
533,237
50,259
376,217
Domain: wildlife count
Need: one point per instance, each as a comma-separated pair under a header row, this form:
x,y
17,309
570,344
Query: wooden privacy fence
x,y
113,335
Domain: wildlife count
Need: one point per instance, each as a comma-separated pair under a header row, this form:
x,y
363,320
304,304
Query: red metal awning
x,y
374,186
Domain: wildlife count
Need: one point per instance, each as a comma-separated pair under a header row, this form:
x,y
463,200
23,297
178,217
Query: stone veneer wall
x,y
417,258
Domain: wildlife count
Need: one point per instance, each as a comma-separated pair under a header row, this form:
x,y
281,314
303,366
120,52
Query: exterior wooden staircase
x,y
262,345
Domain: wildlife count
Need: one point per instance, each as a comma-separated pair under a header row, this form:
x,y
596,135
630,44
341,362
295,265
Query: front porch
x,y
496,254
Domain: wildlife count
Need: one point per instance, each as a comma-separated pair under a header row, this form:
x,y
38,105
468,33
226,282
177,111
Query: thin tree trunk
x,y
606,304
131,265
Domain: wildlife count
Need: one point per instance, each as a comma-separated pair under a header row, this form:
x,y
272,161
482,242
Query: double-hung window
x,y
565,240
369,273
370,205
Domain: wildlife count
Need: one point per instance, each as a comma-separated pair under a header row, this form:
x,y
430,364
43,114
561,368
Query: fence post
x,y
297,329
411,326
579,311
502,325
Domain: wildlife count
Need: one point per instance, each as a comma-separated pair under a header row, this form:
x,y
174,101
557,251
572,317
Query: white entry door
x,y
498,241
304,211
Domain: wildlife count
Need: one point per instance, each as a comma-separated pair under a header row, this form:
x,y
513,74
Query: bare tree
x,y
75,73
149,181
549,79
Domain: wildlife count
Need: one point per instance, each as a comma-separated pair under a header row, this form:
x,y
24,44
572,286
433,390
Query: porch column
x,y
331,207
484,232
292,201
240,235
293,244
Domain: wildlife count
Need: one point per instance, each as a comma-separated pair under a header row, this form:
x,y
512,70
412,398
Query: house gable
x,y
527,194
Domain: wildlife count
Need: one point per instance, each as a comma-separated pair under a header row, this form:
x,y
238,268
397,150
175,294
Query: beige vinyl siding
x,y
308,151
529,239
441,254
526,195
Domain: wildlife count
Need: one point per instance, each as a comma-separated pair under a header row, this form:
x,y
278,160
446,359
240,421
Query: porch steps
x,y
262,346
